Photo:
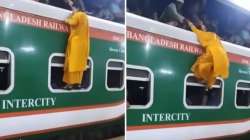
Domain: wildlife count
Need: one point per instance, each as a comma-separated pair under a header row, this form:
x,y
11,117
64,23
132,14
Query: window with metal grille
x,y
139,87
56,83
198,96
114,75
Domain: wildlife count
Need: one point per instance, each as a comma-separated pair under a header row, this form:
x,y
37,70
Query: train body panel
x,y
169,110
33,41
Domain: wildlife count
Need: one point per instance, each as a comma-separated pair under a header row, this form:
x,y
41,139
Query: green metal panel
x,y
31,68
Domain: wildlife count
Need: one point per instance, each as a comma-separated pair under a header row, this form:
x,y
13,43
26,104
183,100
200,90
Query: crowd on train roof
x,y
231,24
106,9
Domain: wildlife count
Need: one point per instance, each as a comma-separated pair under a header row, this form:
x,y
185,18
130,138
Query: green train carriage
x,y
166,101
33,101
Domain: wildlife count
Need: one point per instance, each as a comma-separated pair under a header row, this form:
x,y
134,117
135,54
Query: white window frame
x,y
12,70
106,77
150,103
235,96
63,90
198,84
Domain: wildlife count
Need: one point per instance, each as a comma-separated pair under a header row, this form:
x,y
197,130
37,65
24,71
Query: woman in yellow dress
x,y
77,50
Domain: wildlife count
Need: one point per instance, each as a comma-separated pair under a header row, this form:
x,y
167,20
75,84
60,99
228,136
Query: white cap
x,y
181,1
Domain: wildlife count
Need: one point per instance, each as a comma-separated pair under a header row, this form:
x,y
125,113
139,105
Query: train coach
x,y
166,101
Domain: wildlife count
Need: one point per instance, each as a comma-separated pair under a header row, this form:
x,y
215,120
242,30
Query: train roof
x,y
48,11
231,4
156,27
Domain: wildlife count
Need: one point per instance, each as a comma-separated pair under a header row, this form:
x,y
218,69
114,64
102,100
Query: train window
x,y
242,98
197,96
6,71
139,87
56,84
114,75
